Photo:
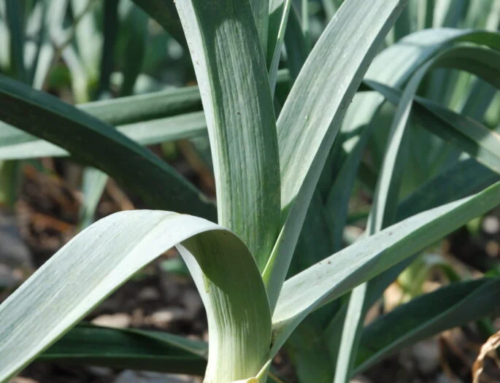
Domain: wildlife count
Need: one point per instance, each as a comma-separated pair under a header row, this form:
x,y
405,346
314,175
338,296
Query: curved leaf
x,y
128,349
383,212
369,257
465,133
15,144
278,20
105,255
144,107
149,119
460,181
101,146
479,61
396,64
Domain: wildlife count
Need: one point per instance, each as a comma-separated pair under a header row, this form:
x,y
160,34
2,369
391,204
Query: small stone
x,y
360,379
20,379
491,225
151,377
426,354
13,251
443,378
101,371
165,317
119,320
149,294
492,249
8,277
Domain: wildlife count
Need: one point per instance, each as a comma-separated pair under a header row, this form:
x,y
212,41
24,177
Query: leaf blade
x,y
105,255
102,146
88,345
401,240
310,120
233,80
425,316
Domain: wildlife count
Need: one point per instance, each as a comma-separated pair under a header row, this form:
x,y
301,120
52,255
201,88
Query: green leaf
x,y
313,112
405,24
296,46
101,146
128,110
144,107
369,257
304,13
105,255
137,36
423,317
429,6
479,14
15,144
396,64
328,70
37,26
351,325
260,9
233,80
278,20
461,180
164,12
456,13
10,183
53,31
337,202
477,59
307,350
15,22
389,184
131,349
314,242
466,134
108,48
478,100
93,183
83,56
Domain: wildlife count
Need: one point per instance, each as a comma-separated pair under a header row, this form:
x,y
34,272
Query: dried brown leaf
x,y
491,345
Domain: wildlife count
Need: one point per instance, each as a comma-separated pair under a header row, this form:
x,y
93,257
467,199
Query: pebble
x,y
13,251
360,379
149,294
426,354
20,379
164,317
150,377
119,320
491,225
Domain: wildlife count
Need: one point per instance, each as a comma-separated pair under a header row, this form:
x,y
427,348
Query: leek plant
x,y
287,148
